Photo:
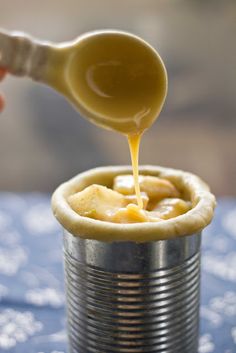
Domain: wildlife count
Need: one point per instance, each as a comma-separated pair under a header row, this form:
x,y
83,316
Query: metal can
x,y
132,297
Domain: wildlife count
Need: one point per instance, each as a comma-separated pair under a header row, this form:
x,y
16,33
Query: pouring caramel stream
x,y
134,143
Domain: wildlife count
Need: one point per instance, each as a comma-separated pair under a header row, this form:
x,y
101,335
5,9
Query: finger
x,y
2,103
2,73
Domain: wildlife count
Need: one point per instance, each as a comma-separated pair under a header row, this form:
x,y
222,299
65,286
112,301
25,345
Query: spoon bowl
x,y
116,80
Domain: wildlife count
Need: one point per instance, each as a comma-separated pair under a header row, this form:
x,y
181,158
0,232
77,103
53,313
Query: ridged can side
x,y
132,297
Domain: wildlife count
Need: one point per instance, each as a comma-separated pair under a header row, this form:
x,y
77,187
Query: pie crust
x,y
190,186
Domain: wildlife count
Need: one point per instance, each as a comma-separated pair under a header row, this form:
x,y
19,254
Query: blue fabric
x,y
32,315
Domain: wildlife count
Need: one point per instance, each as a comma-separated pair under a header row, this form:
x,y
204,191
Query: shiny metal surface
x,y
132,297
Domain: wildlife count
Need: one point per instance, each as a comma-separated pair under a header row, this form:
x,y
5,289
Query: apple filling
x,y
161,201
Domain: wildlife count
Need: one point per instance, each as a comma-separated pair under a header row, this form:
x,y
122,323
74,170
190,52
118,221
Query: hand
x,y
2,74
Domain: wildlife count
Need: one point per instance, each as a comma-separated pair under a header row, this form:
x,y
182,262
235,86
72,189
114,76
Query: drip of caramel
x,y
134,143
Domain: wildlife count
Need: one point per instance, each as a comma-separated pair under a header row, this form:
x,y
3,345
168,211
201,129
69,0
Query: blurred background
x,y
43,140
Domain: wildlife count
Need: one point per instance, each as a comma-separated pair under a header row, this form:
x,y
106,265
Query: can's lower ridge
x,y
154,312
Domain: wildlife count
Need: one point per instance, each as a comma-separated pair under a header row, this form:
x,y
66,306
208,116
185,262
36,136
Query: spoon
x,y
113,78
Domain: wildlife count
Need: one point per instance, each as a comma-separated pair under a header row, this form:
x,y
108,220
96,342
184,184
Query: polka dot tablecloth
x,y
32,314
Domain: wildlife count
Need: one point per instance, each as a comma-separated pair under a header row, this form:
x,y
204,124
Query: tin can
x,y
132,297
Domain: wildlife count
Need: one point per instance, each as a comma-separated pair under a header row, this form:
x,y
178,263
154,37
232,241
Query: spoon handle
x,y
23,55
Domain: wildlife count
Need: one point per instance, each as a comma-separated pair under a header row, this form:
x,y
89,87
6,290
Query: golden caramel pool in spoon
x,y
114,79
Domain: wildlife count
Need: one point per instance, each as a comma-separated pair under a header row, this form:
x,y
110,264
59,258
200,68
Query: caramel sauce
x,y
134,142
